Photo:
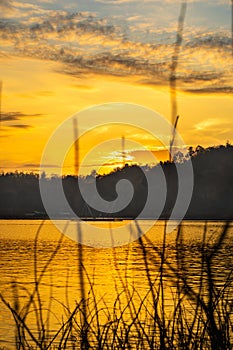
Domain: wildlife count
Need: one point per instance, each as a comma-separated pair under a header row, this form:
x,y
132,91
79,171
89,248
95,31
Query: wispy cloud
x,y
83,87
37,165
207,123
212,90
9,119
85,42
21,126
5,5
12,116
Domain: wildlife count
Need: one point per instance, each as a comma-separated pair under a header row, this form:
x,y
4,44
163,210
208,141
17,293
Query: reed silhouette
x,y
200,316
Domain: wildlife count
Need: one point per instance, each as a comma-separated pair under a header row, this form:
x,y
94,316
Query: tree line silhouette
x,y
212,196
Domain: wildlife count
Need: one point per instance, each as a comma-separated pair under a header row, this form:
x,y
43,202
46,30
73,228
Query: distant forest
x,y
212,193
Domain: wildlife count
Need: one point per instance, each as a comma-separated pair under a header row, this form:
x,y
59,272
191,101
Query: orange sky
x,y
48,77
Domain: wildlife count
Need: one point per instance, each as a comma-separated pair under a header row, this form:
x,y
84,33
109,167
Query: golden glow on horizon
x,y
45,97
101,149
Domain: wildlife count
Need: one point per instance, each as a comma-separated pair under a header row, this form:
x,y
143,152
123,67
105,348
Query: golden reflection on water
x,y
109,271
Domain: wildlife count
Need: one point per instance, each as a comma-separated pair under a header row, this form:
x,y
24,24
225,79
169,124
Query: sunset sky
x,y
58,58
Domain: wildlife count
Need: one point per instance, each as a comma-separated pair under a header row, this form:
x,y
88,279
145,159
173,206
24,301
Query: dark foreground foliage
x,y
200,317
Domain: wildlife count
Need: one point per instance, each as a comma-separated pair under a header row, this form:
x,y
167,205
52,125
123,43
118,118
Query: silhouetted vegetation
x,y
199,315
212,195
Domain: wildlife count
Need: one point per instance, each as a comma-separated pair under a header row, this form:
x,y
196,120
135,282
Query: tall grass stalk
x,y
200,316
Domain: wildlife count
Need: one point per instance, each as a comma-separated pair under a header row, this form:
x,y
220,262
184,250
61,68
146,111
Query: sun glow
x,y
55,63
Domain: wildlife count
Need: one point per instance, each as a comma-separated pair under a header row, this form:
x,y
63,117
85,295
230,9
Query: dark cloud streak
x,y
21,126
211,90
12,116
99,46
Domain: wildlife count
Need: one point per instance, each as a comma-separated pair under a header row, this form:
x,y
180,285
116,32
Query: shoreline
x,y
113,219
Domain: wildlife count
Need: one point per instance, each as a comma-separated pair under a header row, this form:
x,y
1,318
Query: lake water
x,y
109,271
